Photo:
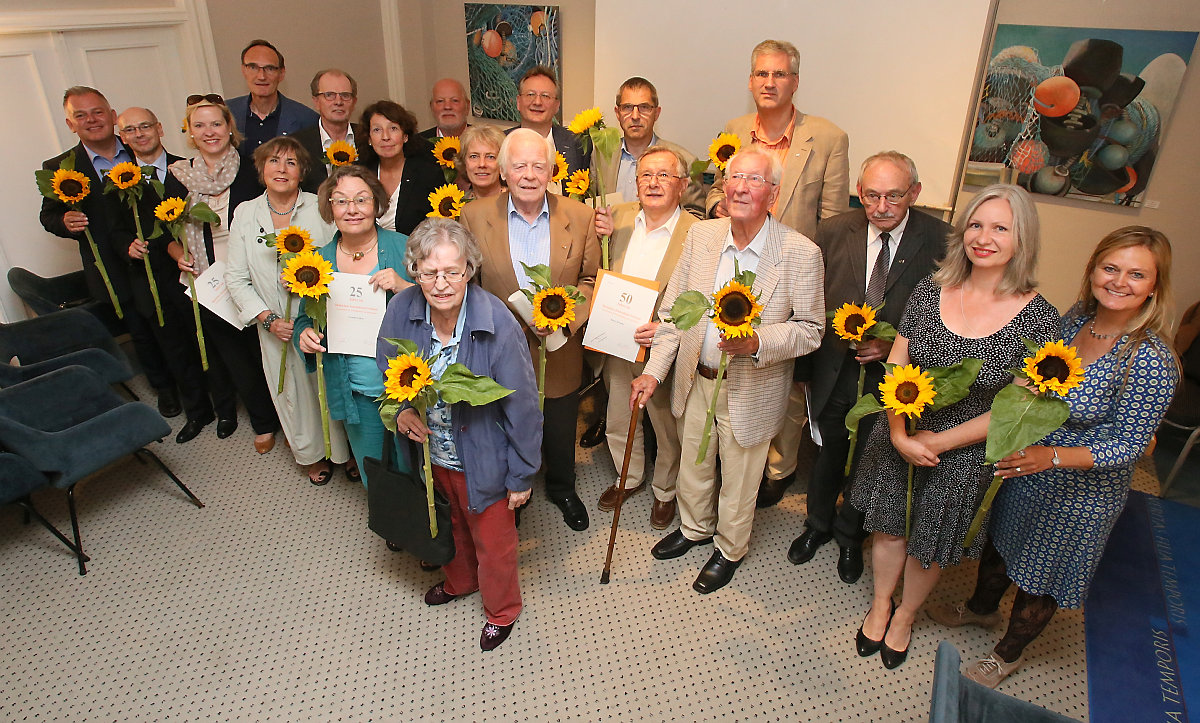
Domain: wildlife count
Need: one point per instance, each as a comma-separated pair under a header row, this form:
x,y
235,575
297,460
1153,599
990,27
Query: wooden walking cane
x,y
612,536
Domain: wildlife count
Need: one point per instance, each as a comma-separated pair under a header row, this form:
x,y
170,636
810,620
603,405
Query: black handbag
x,y
398,511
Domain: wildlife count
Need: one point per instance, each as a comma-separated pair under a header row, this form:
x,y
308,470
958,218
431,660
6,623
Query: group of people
x,y
779,208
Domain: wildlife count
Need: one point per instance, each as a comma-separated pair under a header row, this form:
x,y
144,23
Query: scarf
x,y
202,186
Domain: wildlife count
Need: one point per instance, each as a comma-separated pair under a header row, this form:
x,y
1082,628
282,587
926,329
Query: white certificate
x,y
620,305
355,313
210,288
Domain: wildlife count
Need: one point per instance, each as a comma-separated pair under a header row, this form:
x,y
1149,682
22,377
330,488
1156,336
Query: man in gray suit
x,y
264,112
751,403
875,254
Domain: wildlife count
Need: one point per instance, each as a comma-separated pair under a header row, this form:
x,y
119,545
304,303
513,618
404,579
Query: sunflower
x,y
125,175
1055,367
553,308
585,119
446,150
307,274
722,149
735,310
339,153
170,209
579,183
447,201
852,321
907,390
560,167
70,186
405,377
293,240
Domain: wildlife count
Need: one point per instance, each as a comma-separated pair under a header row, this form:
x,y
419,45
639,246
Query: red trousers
x,y
485,544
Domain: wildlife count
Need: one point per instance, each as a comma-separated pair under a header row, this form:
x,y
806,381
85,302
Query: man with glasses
x,y
264,112
875,254
647,239
334,94
450,106
637,111
538,103
752,399
528,224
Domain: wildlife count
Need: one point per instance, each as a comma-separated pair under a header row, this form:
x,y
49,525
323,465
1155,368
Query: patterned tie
x,y
878,282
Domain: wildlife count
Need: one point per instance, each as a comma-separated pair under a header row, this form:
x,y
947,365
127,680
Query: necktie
x,y
878,282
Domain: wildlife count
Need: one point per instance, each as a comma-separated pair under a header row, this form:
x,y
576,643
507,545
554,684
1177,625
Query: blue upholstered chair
x,y
70,424
69,291
958,698
63,338
18,480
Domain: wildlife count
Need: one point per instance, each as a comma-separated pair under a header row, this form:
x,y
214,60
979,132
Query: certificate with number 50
x,y
355,312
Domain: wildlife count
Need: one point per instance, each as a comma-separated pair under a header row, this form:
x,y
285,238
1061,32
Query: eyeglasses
x,y
452,277
629,108
754,182
645,177
893,199
332,95
256,68
139,128
532,95
211,98
776,74
357,201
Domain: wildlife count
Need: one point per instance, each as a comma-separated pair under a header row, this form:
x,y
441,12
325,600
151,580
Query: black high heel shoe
x,y
867,647
894,658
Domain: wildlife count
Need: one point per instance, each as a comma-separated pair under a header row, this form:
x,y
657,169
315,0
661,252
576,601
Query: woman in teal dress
x,y
353,199
1054,513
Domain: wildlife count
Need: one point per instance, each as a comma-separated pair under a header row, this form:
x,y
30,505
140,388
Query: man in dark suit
x,y
142,133
334,94
538,102
264,112
450,106
876,254
91,118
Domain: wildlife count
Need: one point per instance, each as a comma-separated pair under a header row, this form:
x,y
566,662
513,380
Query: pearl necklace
x,y
283,213
1095,335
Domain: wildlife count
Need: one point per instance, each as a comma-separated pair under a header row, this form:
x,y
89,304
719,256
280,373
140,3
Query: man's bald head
x,y
140,130
450,106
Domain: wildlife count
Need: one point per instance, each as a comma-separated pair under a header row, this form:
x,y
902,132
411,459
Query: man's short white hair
x,y
527,134
776,165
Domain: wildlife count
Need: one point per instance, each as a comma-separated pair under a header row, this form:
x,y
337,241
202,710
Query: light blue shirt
x,y
528,242
627,172
104,165
747,260
442,450
160,165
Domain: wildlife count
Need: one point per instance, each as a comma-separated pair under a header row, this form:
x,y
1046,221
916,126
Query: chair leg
x,y
1183,454
27,505
75,529
176,480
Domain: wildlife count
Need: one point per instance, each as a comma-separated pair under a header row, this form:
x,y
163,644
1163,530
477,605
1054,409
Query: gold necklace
x,y
357,255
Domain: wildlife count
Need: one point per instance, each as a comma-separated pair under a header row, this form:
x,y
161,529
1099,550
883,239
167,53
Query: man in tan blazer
x,y
647,239
815,185
637,111
527,224
750,406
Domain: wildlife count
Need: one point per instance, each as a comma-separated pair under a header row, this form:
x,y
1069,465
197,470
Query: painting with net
x,y
504,41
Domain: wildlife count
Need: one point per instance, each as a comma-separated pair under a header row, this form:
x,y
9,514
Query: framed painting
x,y
504,41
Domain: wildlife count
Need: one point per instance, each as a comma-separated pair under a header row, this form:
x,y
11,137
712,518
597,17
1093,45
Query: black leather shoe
x,y
715,574
594,435
770,491
867,647
168,403
805,546
850,564
893,658
192,428
226,427
674,545
573,511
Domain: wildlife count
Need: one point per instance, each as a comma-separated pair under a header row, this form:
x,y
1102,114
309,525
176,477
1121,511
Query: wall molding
x,y
393,49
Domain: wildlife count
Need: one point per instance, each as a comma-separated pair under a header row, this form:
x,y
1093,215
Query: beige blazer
x,y
816,176
790,285
623,216
693,195
574,258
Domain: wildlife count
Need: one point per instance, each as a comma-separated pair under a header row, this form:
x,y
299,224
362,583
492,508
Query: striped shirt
x,y
528,243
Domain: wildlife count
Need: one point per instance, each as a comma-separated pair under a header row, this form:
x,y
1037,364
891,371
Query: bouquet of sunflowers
x,y
288,242
588,126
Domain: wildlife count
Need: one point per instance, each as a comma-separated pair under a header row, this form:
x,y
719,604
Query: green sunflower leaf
x,y
458,384
867,404
689,308
405,346
882,330
1021,418
953,383
539,275
202,213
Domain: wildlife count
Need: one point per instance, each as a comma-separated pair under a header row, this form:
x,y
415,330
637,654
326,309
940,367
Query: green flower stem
x,y
712,409
912,428
433,527
984,506
187,259
137,221
324,402
599,199
862,374
287,316
542,375
112,295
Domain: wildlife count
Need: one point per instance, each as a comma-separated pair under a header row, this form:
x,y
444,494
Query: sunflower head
x,y
1055,367
735,310
560,167
70,186
446,201
293,240
339,153
907,390
170,209
579,182
585,119
852,321
125,175
722,149
553,308
308,274
405,377
446,150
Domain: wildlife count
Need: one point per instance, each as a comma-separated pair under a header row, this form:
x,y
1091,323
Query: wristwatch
x,y
1055,460
272,316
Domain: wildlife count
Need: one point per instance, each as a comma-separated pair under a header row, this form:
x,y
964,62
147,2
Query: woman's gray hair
x,y
433,232
1018,277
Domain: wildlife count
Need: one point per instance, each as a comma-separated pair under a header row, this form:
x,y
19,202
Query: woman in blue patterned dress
x,y
1052,518
988,269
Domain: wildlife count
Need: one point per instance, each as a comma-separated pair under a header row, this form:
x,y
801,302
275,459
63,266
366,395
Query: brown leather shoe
x,y
662,514
264,443
608,500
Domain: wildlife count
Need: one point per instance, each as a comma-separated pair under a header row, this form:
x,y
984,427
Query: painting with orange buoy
x,y
1077,112
503,42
